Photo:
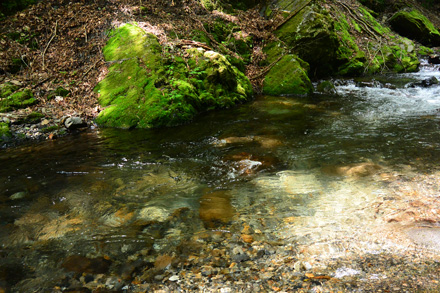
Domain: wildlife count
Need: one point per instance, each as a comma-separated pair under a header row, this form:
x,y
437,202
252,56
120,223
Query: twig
x,y
48,43
40,83
90,68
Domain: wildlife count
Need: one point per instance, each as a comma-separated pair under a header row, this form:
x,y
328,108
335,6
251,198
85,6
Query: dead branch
x,y
48,43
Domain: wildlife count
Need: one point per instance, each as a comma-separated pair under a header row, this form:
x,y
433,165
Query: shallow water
x,y
303,171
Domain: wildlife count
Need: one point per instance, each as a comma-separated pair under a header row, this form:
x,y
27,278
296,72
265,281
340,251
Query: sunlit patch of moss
x,y
7,89
5,132
424,51
21,99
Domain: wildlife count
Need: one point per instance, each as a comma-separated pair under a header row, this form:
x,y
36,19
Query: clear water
x,y
280,165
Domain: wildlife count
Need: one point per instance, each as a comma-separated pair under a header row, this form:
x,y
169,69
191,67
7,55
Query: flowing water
x,y
299,170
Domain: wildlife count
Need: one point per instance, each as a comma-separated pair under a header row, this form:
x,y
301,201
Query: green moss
x,y
287,77
154,89
59,91
380,29
32,118
200,36
7,89
424,51
5,132
21,99
130,41
50,129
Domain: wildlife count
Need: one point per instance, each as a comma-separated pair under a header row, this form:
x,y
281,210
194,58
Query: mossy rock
x,y
18,100
312,35
326,87
149,89
287,77
416,26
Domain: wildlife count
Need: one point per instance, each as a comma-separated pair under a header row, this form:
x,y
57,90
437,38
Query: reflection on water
x,y
301,170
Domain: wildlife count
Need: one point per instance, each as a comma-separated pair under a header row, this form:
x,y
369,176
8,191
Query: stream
x,y
299,178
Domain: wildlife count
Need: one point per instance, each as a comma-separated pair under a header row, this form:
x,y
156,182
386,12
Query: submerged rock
x,y
145,88
216,209
353,170
82,264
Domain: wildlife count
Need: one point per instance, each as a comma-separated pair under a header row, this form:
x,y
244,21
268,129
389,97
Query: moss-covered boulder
x,y
17,100
151,86
287,77
334,39
311,34
414,25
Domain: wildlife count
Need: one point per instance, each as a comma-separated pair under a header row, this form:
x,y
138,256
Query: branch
x,y
48,43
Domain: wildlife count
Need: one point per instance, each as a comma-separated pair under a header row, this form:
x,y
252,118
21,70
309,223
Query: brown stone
x,y
216,209
353,170
162,261
247,238
82,264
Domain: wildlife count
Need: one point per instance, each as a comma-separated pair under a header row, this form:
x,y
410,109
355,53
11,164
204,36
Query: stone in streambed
x,y
216,209
74,123
354,170
82,264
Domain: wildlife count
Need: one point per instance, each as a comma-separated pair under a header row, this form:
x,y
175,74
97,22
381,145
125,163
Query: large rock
x,y
287,77
147,88
311,33
327,38
416,26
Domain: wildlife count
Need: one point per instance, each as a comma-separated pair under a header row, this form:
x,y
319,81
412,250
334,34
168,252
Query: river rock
x,y
154,214
82,264
216,208
434,59
353,170
326,87
424,83
74,123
